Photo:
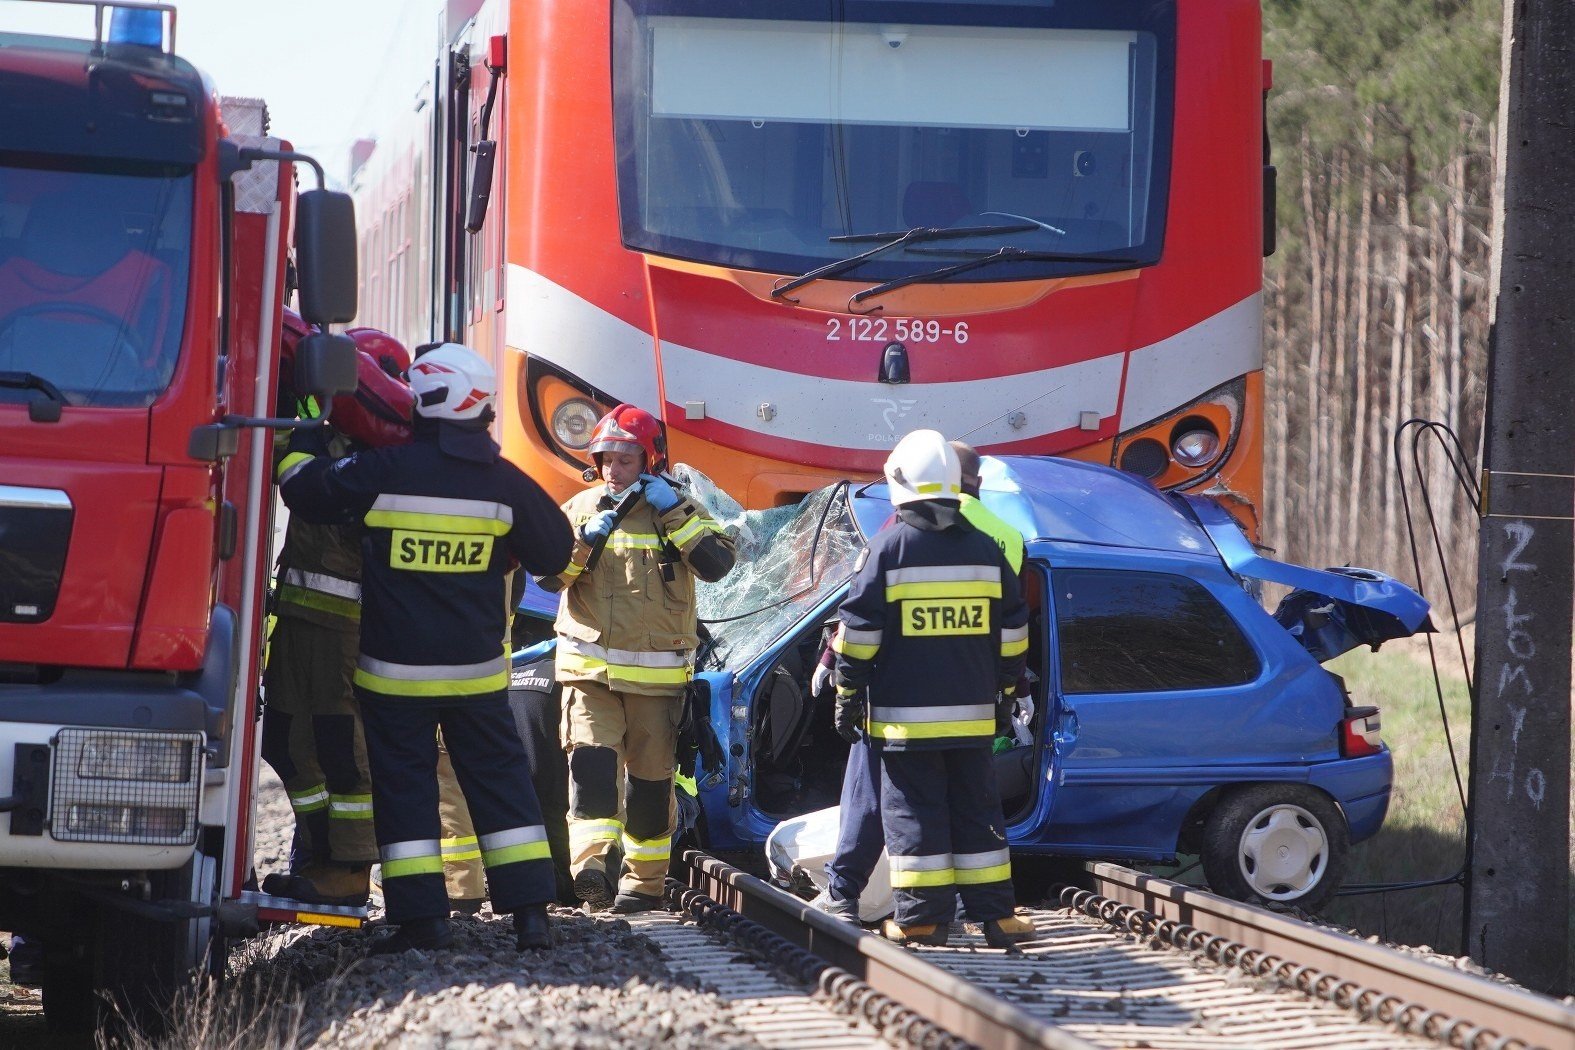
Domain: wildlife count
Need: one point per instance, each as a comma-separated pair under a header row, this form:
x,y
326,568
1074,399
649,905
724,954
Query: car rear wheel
x,y
1280,845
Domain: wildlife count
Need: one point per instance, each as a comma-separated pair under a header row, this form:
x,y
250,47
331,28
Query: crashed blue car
x,y
1174,713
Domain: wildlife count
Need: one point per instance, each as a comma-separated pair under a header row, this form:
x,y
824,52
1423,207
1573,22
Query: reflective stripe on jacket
x,y
934,625
630,621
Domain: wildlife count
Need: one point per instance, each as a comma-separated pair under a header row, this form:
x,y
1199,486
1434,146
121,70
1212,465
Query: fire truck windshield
x,y
754,134
94,262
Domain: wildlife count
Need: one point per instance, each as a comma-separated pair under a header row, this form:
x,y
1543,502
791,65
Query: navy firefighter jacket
x,y
934,625
441,534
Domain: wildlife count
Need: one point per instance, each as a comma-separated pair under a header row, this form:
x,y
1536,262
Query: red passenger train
x,y
802,229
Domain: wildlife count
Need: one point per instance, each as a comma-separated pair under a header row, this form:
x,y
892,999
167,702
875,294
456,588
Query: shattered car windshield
x,y
789,560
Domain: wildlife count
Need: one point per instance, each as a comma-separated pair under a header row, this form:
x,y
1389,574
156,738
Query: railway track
x,y
1122,959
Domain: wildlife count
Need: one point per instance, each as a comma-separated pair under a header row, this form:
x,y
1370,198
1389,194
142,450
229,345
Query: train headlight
x,y
1196,443
573,422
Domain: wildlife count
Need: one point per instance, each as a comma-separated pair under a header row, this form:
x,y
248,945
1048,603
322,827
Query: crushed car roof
x,y
1062,499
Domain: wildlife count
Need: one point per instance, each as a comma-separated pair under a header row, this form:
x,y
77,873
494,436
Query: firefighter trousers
x,y
945,835
621,761
859,835
312,737
462,871
490,765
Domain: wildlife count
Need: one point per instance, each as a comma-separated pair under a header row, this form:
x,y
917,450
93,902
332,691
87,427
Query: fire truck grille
x,y
125,786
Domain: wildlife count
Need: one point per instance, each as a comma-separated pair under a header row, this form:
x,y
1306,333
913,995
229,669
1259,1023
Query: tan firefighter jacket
x,y
629,622
319,570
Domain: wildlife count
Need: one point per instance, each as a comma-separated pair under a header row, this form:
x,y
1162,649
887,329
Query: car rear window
x,y
1130,632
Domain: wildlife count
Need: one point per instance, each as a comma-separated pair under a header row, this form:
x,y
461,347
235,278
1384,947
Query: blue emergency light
x,y
144,28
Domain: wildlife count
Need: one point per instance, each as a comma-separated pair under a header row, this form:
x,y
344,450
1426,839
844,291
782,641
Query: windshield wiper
x,y
30,381
984,257
890,241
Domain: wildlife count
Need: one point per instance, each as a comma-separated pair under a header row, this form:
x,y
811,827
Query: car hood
x,y
1329,611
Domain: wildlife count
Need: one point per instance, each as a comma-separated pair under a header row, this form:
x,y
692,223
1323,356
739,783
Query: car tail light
x,y
1359,734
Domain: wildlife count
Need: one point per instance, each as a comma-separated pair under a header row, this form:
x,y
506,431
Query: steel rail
x,y
952,1003
1332,960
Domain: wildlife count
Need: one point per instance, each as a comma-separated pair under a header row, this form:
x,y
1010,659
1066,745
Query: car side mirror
x,y
325,256
325,365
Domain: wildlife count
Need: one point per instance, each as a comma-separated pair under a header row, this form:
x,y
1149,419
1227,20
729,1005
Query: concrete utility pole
x,y
1517,910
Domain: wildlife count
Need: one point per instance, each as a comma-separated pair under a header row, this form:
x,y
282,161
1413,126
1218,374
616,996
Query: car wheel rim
x,y
1283,853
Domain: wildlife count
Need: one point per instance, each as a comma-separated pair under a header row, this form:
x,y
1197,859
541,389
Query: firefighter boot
x,y
418,935
337,885
932,934
1003,933
594,888
634,903
531,930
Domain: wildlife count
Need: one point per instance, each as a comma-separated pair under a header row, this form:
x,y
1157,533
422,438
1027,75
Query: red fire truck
x,y
145,230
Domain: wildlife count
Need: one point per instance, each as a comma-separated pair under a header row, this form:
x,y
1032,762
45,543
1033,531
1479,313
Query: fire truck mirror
x,y
325,256
325,365
480,185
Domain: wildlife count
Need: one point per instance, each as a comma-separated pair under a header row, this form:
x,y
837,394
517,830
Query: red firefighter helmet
x,y
630,429
384,348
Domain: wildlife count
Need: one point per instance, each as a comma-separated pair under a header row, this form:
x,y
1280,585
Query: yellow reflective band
x,y
1014,648
436,552
653,675
634,541
690,529
417,521
290,463
975,876
688,784
328,603
377,683
944,589
350,807
585,832
858,645
311,800
928,487
574,569
462,848
647,849
931,730
577,662
945,616
515,854
914,879
428,865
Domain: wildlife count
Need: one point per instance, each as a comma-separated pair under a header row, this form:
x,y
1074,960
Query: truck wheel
x,y
1280,845
145,964
71,1006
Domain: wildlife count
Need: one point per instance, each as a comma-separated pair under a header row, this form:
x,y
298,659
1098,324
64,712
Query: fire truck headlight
x,y
114,756
573,422
124,785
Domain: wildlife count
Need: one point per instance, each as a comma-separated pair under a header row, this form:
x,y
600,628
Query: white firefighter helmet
x,y
452,382
923,466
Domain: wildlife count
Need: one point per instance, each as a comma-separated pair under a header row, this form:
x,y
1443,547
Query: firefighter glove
x,y
598,527
819,681
849,719
658,493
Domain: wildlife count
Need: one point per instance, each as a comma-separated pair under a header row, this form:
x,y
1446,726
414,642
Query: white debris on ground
x,y
603,985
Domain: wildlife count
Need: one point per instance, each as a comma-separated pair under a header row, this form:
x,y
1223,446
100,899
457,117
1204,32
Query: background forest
x,y
1381,122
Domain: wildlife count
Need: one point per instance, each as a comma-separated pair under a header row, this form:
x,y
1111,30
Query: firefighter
x,y
445,520
626,638
859,834
933,634
311,733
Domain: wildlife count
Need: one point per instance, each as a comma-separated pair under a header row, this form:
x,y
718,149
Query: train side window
x,y
1129,632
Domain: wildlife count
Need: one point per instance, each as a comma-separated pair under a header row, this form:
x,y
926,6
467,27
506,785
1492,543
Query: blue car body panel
x,y
1126,769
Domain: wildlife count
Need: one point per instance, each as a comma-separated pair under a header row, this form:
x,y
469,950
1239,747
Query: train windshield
x,y
94,260
755,134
